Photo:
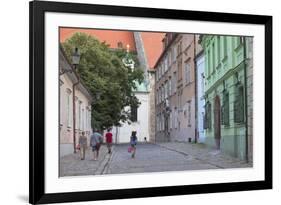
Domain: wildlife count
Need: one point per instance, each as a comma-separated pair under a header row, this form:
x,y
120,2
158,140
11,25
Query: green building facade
x,y
228,94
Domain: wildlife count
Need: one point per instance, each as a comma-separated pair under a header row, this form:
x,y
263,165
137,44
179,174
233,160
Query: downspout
x,y
246,100
74,113
195,88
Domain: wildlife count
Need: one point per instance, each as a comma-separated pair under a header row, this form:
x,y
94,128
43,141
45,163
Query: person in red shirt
x,y
108,138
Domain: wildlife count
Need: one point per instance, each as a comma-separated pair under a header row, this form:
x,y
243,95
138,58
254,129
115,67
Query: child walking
x,y
133,142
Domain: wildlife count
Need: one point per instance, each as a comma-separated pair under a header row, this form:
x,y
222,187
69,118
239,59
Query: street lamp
x,y
75,57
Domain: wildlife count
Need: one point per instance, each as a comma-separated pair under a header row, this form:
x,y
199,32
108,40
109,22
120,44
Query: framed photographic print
x,y
130,102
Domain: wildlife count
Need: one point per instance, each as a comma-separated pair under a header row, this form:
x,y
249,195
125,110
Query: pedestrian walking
x,y
96,140
133,143
108,139
82,145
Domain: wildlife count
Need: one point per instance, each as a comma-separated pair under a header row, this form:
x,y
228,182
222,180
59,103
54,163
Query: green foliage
x,y
102,71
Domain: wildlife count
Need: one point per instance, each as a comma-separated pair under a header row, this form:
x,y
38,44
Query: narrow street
x,y
149,158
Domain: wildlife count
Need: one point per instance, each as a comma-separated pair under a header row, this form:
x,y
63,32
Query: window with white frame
x,y
189,113
80,115
166,63
83,119
176,118
163,93
76,113
170,86
171,121
68,107
175,82
62,97
166,89
175,53
187,73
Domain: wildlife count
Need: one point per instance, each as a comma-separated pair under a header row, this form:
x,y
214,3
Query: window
x,y
76,113
179,69
174,82
189,114
170,58
68,107
166,89
175,53
209,62
187,73
239,104
179,48
213,57
120,45
171,121
83,119
219,49
176,118
80,115
170,86
225,46
163,121
225,108
134,113
208,116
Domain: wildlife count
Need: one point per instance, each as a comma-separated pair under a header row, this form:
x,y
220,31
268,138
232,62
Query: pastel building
x,y
175,89
74,105
228,94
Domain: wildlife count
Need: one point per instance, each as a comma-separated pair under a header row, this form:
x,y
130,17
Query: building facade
x,y
228,94
175,89
75,107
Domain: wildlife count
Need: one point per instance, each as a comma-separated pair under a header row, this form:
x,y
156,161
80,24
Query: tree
x,y
102,71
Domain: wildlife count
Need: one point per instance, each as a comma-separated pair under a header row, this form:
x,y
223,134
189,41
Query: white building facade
x,y
74,107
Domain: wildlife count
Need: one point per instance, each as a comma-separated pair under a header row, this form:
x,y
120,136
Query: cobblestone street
x,y
149,158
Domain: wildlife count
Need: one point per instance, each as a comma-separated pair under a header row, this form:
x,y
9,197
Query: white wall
x,y
141,126
200,99
14,112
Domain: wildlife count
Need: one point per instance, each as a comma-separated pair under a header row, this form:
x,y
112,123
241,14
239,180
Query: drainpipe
x,y
195,87
246,101
74,113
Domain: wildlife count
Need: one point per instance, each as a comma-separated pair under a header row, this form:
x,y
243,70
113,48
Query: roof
x,y
111,37
152,41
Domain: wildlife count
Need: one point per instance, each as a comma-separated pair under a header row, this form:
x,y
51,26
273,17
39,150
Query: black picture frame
x,y
37,10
